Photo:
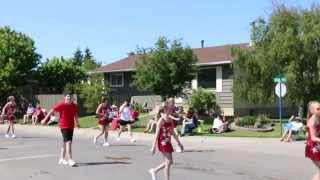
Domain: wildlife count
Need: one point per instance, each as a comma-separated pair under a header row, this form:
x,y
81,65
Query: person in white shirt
x,y
219,125
125,120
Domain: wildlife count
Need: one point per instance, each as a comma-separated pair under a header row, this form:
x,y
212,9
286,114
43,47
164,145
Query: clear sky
x,y
112,28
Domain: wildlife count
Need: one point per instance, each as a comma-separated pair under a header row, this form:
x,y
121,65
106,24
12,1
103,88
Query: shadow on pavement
x,y
198,150
101,163
26,137
127,145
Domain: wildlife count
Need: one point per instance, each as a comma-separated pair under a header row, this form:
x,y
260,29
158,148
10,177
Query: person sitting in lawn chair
x,y
189,122
294,126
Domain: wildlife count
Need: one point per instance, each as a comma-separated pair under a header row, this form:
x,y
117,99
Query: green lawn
x,y
139,126
88,122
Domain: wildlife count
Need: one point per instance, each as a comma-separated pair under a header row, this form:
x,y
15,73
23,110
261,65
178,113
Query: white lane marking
x,y
28,157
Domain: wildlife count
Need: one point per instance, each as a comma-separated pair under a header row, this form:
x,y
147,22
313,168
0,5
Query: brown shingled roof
x,y
208,55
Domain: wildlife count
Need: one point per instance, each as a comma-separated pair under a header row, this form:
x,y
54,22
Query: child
x,y
68,120
125,120
312,149
38,114
152,124
8,113
162,139
103,111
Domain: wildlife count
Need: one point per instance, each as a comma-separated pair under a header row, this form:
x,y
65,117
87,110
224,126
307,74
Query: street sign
x,y
280,79
281,89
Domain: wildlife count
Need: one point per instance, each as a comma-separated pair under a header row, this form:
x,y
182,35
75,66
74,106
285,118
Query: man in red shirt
x,y
68,120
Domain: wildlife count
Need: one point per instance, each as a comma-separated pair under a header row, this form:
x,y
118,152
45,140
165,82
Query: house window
x,y
116,79
207,78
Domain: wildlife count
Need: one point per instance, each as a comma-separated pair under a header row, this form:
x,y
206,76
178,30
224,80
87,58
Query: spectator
x,y
38,115
189,122
293,126
53,120
152,124
28,115
219,125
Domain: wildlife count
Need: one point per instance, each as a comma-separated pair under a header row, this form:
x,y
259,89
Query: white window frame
x,y
122,79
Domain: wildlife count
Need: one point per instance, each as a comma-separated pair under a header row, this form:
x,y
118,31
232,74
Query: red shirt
x,y
67,112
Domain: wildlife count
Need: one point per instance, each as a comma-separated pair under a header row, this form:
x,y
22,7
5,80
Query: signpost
x,y
281,91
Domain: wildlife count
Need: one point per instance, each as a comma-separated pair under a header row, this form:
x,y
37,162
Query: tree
x,y
165,69
18,59
91,92
78,57
89,62
288,44
56,73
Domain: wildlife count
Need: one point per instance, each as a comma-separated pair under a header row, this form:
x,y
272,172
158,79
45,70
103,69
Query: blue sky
x,y
112,28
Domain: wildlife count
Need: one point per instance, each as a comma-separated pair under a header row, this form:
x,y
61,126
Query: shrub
x,y
137,107
202,100
262,121
246,121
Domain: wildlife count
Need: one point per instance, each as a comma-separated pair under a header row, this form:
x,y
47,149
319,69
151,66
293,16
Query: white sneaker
x,y
6,135
63,162
153,174
118,138
106,144
95,140
71,163
133,140
13,136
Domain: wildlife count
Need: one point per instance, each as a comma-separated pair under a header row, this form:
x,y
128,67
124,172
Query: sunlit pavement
x,y
34,155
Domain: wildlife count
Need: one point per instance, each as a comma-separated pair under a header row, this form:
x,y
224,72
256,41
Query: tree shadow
x,y
102,163
3,148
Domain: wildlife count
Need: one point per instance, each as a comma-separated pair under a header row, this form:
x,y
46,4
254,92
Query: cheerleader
x,y
105,117
8,112
162,139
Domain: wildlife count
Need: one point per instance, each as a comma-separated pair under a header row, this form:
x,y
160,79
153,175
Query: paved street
x,y
34,155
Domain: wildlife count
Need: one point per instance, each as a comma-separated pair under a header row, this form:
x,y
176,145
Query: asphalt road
x,y
34,155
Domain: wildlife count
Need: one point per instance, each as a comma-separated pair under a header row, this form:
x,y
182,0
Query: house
x,y
215,74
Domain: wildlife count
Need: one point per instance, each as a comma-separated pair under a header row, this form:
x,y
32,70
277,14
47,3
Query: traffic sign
x,y
281,89
280,79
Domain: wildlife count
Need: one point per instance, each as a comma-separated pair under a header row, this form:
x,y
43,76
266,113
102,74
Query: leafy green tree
x,y
91,92
89,62
56,73
18,59
166,68
288,43
78,57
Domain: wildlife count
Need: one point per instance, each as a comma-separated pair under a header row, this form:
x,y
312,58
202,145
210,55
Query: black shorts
x,y
123,123
67,134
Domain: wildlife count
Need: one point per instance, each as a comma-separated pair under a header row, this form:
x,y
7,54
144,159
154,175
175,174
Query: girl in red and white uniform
x,y
312,150
8,112
162,139
104,114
